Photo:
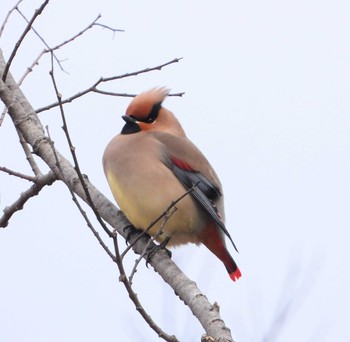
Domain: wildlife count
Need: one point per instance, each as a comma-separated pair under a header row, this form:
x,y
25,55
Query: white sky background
x,y
267,100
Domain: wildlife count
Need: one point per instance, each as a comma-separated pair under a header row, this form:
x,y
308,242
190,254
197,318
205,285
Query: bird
x,y
150,164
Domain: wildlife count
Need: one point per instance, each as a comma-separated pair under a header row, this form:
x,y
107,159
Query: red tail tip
x,y
236,274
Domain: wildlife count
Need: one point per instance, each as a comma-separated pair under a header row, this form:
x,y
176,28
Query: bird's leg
x,y
130,231
163,244
153,249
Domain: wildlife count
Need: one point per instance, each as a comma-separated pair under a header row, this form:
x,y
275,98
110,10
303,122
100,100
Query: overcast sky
x,y
266,99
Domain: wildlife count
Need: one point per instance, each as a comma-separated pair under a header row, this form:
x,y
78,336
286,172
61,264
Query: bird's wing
x,y
203,191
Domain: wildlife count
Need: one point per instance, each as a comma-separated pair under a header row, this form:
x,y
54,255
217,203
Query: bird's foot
x,y
130,230
153,249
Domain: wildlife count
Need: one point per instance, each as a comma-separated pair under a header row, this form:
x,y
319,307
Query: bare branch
x,y
133,296
110,93
93,88
109,28
8,16
72,150
143,71
34,190
28,154
17,174
76,202
2,117
91,25
18,44
27,72
180,94
31,67
77,168
42,39
51,50
48,49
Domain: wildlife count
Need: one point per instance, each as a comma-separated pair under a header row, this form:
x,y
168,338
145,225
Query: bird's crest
x,y
141,106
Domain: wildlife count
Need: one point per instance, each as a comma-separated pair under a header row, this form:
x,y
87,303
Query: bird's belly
x,y
144,200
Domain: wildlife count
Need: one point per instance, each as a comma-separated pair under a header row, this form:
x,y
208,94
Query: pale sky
x,y
267,101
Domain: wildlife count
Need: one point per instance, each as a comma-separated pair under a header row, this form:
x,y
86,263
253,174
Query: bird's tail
x,y
215,242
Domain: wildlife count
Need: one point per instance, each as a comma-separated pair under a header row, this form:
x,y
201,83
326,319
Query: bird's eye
x,y
152,116
150,119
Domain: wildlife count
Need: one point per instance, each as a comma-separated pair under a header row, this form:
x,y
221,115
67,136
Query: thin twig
x,y
104,80
91,25
18,174
8,16
77,168
2,117
20,81
34,190
75,200
110,93
18,44
31,67
109,28
66,42
41,38
29,155
133,296
72,150
51,50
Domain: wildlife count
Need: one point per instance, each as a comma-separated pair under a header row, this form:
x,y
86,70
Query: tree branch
x,y
42,40
8,16
51,50
48,49
18,44
76,202
17,174
93,88
28,153
34,190
133,296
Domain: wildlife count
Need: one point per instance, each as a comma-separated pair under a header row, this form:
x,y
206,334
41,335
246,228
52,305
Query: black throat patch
x,y
130,128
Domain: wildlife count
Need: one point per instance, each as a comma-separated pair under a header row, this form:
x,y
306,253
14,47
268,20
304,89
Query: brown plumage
x,y
151,163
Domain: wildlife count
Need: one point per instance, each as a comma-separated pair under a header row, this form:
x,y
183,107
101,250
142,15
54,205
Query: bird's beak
x,y
129,119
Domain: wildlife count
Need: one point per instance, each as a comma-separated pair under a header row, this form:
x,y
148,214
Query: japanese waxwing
x,y
151,164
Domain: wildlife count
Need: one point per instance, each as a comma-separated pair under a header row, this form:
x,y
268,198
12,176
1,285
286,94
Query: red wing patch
x,y
182,165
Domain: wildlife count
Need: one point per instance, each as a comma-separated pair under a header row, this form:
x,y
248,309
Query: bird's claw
x,y
153,249
128,233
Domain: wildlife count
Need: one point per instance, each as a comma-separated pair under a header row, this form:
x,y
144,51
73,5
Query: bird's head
x,y
145,113
145,107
